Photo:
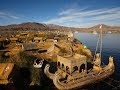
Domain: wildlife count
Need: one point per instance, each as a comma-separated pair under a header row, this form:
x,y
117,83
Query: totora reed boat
x,y
72,72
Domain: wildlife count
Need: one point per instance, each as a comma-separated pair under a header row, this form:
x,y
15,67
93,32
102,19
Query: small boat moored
x,y
38,63
94,32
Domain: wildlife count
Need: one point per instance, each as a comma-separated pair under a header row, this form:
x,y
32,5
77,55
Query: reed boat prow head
x,y
111,59
47,72
47,65
111,62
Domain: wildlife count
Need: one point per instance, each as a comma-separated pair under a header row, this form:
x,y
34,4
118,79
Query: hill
x,y
40,26
105,28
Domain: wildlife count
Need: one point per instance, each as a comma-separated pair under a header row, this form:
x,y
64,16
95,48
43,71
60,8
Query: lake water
x,y
111,47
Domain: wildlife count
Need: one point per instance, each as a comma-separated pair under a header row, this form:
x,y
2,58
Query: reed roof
x,y
30,46
5,70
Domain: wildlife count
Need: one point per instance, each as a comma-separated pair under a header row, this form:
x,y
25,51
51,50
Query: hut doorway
x,y
58,64
63,67
82,68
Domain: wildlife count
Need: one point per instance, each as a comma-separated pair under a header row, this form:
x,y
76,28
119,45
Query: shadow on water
x,y
23,78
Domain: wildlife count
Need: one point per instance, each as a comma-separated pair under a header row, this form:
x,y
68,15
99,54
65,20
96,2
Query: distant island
x,y
33,26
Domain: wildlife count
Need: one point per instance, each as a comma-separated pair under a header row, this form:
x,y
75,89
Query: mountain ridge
x,y
41,26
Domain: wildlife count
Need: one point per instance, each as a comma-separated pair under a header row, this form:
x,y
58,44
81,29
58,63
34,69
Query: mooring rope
x,y
109,84
114,80
114,87
117,87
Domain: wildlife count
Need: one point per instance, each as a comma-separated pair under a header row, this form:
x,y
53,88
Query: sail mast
x,y
100,41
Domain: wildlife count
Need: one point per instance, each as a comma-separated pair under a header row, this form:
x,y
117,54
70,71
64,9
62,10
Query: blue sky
x,y
73,13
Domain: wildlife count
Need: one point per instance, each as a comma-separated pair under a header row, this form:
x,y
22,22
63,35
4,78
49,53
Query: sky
x,y
71,13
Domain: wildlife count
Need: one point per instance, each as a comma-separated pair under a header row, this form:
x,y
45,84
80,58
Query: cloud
x,y
69,11
64,12
85,16
7,15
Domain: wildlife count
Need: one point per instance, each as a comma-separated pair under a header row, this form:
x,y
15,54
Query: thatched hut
x,y
37,39
2,42
29,46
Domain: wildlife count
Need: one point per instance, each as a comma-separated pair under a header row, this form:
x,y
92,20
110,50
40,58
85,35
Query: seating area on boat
x,y
77,63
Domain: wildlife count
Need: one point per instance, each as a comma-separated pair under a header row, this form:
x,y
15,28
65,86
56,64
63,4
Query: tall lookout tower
x,y
74,64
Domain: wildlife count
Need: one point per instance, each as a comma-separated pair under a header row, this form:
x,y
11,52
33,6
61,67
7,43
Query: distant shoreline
x,y
32,26
56,31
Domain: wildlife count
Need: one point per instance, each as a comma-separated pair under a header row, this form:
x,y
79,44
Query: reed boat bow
x,y
46,71
80,81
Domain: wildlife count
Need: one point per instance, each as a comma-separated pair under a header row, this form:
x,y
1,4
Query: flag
x,y
100,27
